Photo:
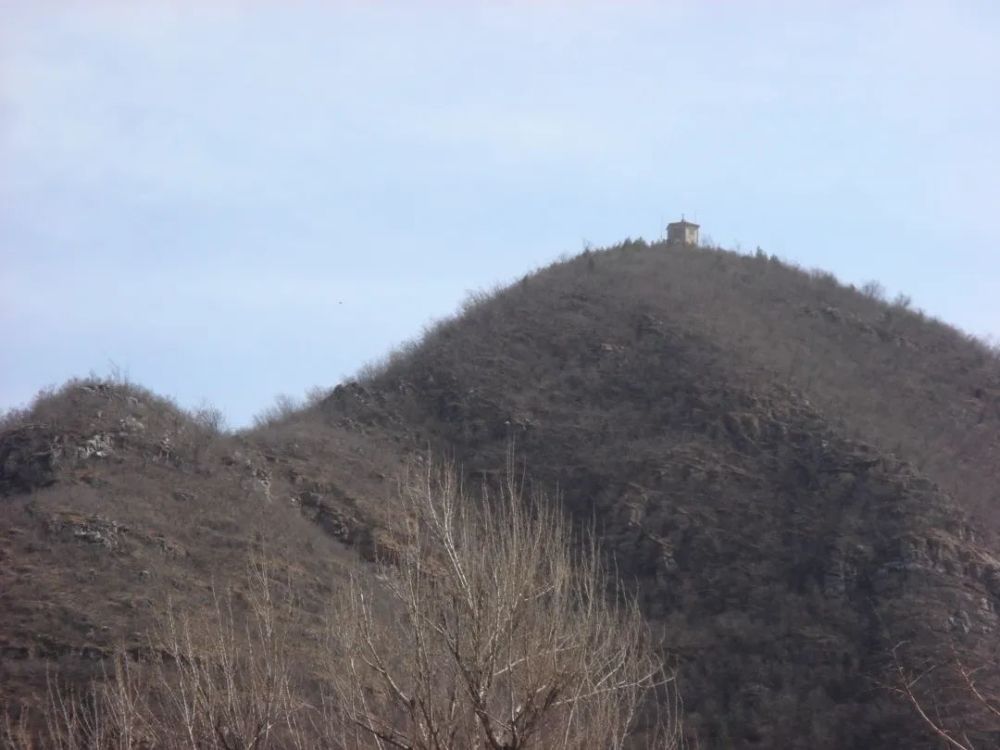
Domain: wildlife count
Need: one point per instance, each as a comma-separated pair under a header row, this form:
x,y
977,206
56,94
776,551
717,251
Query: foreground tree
x,y
488,626
962,710
500,631
222,680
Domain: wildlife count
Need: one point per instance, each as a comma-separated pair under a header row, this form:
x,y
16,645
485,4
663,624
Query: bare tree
x,y
499,631
873,290
491,627
227,682
223,681
110,714
981,705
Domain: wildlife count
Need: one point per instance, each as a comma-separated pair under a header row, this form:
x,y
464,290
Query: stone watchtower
x,y
682,232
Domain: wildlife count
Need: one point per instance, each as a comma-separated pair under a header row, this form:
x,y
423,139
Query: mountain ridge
x,y
794,476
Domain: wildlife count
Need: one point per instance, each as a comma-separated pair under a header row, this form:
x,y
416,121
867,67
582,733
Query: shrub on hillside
x,y
485,629
505,637
873,290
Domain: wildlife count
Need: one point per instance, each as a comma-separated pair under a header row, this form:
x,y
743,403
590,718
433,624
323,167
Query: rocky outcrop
x,y
89,529
30,456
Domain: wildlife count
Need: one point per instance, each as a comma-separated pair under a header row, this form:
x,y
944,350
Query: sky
x,y
225,201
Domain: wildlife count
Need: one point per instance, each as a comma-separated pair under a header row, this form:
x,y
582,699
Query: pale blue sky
x,y
232,200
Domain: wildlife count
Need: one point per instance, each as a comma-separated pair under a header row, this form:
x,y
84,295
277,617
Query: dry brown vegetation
x,y
884,372
797,473
962,710
790,475
489,628
508,636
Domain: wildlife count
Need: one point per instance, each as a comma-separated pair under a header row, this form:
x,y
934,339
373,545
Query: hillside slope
x,y
795,478
117,508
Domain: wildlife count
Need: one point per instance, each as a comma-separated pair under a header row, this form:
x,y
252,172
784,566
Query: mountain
x,y
795,476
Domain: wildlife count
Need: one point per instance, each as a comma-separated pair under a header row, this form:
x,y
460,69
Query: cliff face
x,y
781,467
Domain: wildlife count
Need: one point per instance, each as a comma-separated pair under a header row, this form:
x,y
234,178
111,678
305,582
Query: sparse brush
x,y
500,631
491,627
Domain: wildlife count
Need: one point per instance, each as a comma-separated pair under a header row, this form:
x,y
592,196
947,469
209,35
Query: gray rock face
x,y
97,446
131,424
330,516
29,458
89,529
